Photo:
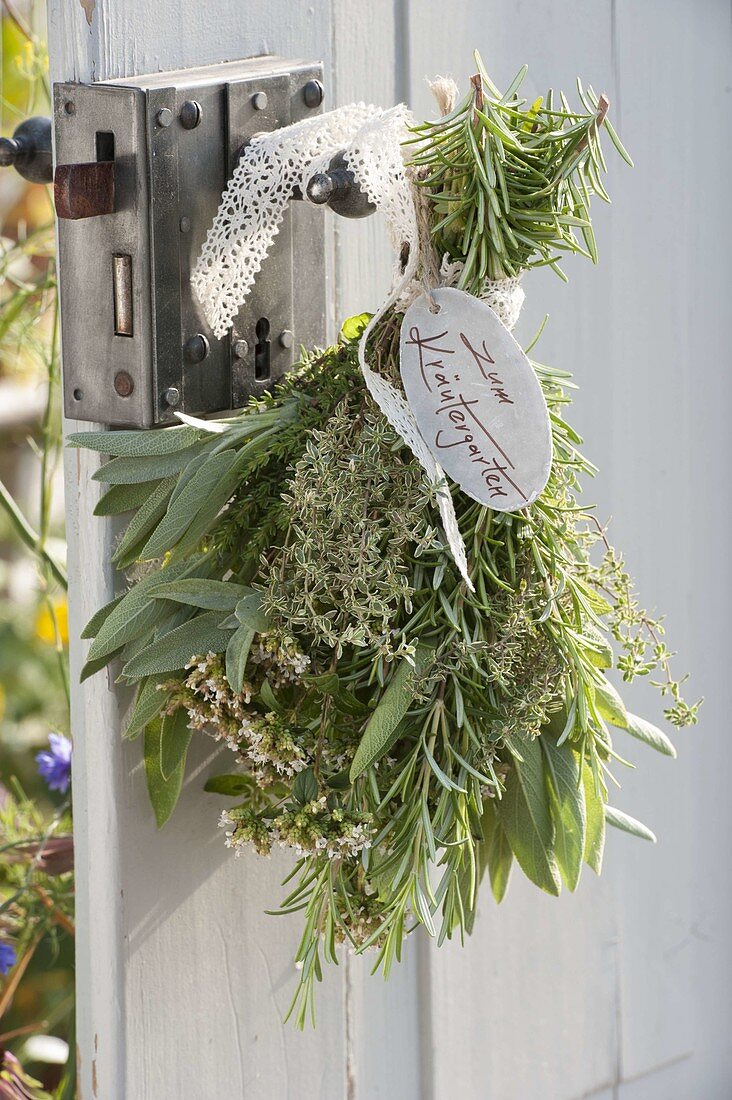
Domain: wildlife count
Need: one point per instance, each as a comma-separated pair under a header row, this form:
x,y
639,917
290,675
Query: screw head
x,y
123,383
241,349
313,93
259,101
196,349
164,117
171,396
190,114
184,224
286,338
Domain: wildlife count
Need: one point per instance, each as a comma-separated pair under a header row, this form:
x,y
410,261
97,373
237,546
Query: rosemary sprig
x,y
511,183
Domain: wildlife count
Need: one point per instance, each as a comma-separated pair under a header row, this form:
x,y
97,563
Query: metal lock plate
x,y
136,346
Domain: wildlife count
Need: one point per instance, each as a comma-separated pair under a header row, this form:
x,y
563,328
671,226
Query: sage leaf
x,y
201,525
214,427
143,523
495,850
171,653
149,701
628,824
391,708
130,471
164,793
123,498
609,704
598,649
211,595
207,514
327,683
525,815
649,734
191,469
346,703
175,737
269,698
136,444
99,617
240,455
129,619
305,787
233,785
237,654
90,668
249,613
135,613
161,626
595,816
182,513
567,800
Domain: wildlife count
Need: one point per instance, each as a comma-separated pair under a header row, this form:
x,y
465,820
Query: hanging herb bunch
x,y
291,593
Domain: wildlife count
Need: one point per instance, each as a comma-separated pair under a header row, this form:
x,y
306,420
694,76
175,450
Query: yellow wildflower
x,y
45,629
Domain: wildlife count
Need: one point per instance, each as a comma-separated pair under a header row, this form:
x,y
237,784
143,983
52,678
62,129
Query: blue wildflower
x,y
54,764
7,956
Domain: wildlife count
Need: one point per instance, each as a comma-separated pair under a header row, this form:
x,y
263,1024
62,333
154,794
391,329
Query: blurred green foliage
x,y
36,853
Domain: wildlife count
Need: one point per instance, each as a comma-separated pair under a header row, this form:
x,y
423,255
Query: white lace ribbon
x,y
250,215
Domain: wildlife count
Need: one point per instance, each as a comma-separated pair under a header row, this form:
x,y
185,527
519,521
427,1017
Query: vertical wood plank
x,y
97,778
625,982
671,392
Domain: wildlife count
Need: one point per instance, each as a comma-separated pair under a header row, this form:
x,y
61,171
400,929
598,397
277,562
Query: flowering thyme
x,y
281,660
312,828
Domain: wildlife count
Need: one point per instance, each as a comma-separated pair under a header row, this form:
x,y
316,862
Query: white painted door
x,y
621,991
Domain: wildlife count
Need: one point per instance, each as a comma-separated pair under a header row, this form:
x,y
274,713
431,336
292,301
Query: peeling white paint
x,y
88,7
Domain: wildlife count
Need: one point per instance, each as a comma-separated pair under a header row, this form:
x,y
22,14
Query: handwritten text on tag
x,y
476,399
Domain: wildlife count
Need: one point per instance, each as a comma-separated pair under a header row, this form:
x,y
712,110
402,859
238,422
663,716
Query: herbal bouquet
x,y
291,593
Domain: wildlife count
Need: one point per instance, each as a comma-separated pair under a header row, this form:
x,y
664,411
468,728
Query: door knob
x,y
337,188
29,150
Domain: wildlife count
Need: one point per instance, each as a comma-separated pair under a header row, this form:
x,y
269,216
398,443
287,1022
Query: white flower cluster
x,y
312,828
260,752
238,843
283,662
350,843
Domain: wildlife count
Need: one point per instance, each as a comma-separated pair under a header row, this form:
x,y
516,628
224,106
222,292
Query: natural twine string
x,y
504,296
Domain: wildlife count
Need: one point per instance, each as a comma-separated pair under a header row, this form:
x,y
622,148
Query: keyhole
x,y
261,350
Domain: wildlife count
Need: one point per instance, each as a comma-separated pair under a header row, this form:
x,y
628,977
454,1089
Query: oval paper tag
x,y
476,399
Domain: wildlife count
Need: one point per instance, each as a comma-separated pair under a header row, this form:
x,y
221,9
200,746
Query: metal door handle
x,y
338,189
29,150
